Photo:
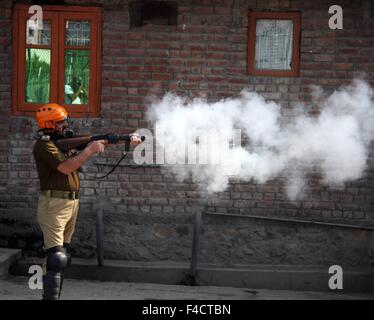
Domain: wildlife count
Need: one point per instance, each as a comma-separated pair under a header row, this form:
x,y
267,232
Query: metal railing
x,y
192,277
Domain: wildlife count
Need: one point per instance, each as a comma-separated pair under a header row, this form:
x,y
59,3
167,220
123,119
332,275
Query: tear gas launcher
x,y
80,142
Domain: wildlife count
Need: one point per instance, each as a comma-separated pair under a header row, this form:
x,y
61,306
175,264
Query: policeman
x,y
59,192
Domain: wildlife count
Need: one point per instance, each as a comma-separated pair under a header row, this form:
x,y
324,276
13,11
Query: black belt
x,y
72,195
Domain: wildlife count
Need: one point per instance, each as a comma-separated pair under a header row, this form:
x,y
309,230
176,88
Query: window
x,y
58,61
273,48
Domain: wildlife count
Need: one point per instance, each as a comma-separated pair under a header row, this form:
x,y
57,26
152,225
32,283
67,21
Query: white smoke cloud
x,y
337,141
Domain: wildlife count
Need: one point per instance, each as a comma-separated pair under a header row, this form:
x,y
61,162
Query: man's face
x,y
61,126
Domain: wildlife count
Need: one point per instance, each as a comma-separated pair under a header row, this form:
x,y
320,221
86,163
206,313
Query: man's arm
x,y
74,163
70,92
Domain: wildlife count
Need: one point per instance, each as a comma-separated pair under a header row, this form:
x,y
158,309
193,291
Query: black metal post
x,y
99,236
195,247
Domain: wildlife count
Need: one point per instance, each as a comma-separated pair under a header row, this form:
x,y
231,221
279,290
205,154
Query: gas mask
x,y
66,132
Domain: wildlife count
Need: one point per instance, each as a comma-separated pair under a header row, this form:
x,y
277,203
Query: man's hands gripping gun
x,y
91,145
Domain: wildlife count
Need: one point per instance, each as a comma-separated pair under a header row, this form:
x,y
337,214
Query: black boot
x,y
52,285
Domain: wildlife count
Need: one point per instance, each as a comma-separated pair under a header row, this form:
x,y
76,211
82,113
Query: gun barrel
x,y
127,137
114,138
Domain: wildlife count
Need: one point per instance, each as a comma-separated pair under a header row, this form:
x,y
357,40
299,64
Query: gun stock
x,y
72,143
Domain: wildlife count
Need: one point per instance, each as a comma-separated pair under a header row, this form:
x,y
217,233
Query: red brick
x,y
343,66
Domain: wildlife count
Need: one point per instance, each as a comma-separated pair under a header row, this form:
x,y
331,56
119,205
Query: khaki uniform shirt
x,y
48,157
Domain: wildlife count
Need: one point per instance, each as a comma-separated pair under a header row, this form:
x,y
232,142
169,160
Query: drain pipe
x,y
103,203
195,248
99,236
191,278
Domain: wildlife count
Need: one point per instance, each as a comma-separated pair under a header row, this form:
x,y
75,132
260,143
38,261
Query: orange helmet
x,y
48,115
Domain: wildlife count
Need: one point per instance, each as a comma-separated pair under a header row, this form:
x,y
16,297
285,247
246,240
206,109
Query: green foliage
x,y
37,75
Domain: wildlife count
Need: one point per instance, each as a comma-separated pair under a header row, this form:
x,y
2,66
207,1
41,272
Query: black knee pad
x,y
57,259
68,253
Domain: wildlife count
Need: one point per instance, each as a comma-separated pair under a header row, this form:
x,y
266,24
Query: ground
x,y
16,288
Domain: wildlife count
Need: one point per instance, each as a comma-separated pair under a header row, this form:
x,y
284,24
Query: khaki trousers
x,y
57,218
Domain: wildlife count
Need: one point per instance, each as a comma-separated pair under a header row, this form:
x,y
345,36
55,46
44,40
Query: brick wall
x,y
205,55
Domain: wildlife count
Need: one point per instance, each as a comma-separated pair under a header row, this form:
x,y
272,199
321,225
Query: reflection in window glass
x,y
273,44
77,33
37,36
77,76
37,75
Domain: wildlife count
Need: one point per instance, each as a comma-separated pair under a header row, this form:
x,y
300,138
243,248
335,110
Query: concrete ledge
x,y
300,278
7,258
275,277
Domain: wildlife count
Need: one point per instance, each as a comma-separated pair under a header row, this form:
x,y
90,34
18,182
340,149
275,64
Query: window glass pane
x,y
37,36
273,44
77,76
77,33
37,75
